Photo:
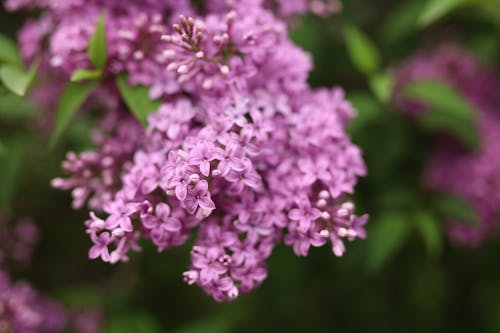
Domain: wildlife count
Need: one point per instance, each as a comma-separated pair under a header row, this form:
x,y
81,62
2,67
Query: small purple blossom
x,y
199,196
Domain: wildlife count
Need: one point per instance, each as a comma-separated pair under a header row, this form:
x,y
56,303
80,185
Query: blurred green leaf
x,y
386,235
97,50
491,8
367,108
137,99
69,102
429,228
402,20
86,74
14,107
381,85
396,196
11,162
133,323
464,131
453,207
81,297
16,79
450,111
441,96
362,50
436,9
9,52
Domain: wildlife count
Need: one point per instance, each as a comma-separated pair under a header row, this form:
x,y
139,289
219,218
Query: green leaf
x,y
69,102
461,129
362,51
368,109
449,110
402,21
441,96
11,162
491,9
381,85
436,9
137,99
386,236
80,296
14,107
429,228
9,52
86,74
97,50
16,79
452,207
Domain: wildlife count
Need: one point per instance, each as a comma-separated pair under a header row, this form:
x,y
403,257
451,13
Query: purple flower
x,y
206,261
245,178
180,182
305,215
231,158
202,155
100,247
120,215
199,196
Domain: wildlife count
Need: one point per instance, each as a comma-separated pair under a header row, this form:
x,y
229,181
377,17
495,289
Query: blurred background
x,y
406,277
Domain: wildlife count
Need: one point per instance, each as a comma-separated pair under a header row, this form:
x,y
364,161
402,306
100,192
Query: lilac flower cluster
x,y
17,242
241,152
94,177
23,309
472,175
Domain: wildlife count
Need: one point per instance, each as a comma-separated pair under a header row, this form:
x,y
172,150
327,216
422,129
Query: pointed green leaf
x,y
17,80
463,130
430,230
86,74
137,99
367,108
441,96
386,236
9,52
449,111
362,51
436,9
452,207
70,101
14,107
97,50
402,21
381,85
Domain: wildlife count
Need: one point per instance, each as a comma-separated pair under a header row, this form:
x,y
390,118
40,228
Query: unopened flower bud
x,y
324,233
224,70
325,215
118,232
342,232
342,212
321,203
324,194
194,178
